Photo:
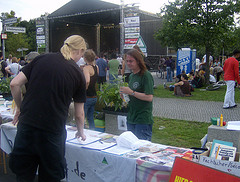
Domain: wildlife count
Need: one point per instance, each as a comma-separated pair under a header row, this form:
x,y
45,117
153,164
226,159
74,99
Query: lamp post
x,y
3,41
121,27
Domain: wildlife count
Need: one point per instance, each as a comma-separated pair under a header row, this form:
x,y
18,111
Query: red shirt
x,y
231,70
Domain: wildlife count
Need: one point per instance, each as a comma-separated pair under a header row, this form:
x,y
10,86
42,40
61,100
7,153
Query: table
x,y
88,164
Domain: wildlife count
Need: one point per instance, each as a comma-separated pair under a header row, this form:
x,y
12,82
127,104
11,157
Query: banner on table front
x,y
92,165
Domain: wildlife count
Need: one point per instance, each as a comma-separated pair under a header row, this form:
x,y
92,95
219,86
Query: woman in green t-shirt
x,y
140,91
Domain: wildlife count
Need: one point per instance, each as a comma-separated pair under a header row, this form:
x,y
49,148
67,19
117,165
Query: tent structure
x,y
99,23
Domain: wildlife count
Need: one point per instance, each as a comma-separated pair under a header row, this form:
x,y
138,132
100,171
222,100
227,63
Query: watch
x,y
133,93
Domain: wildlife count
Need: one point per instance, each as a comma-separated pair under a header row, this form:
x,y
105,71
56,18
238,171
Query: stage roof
x,y
83,7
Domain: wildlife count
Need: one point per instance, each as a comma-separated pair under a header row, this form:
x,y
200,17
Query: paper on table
x,y
99,145
117,150
3,109
88,140
233,125
127,139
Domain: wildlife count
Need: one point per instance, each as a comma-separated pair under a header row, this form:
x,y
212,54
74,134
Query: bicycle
x,y
160,73
215,86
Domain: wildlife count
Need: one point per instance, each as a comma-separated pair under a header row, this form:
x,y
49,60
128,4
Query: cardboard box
x,y
222,165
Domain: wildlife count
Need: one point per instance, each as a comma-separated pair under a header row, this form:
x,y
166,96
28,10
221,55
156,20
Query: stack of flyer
x,y
223,150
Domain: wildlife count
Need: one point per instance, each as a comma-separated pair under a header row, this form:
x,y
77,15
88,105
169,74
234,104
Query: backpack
x,y
172,64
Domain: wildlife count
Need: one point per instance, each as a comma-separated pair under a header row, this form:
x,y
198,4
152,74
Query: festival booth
x,y
107,157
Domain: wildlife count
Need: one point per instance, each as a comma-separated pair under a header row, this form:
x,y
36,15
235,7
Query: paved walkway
x,y
191,110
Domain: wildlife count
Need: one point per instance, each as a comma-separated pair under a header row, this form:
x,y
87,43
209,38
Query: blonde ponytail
x,y
72,43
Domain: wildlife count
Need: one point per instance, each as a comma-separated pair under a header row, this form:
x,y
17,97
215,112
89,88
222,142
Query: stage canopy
x,y
98,22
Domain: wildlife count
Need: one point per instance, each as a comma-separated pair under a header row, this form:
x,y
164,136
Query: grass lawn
x,y
179,133
182,133
198,94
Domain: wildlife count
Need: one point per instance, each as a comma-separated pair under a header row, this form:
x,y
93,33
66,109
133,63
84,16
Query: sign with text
x,y
132,36
10,21
132,29
131,41
132,21
128,46
222,165
102,166
16,29
188,171
186,60
141,44
40,33
4,36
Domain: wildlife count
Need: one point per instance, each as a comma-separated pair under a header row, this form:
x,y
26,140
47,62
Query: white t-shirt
x,y
81,62
210,58
212,79
8,62
14,68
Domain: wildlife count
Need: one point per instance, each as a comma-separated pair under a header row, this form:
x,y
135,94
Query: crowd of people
x,y
11,66
72,75
228,71
167,67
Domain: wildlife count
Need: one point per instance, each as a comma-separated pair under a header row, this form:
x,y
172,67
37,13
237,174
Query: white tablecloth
x,y
82,163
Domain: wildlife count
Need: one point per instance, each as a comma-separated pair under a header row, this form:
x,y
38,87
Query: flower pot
x,y
112,123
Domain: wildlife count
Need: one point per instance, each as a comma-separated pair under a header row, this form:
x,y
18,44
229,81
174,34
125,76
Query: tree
x,y
20,40
30,33
197,23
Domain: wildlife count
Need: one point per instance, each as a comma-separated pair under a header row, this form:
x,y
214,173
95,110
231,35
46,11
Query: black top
x,y
52,83
4,65
91,91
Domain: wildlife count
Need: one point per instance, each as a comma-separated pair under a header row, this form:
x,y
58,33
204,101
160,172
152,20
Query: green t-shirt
x,y
139,111
113,66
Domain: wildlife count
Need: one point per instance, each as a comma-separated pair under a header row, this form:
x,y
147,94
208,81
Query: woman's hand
x,y
126,90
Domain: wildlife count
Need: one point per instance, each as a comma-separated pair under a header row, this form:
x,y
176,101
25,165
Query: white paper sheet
x,y
233,125
99,145
88,140
117,150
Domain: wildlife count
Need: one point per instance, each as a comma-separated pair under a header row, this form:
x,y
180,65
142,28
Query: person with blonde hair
x,y
140,91
42,114
9,60
91,72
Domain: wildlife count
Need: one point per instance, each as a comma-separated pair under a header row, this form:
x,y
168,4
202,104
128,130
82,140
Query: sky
x,y
30,9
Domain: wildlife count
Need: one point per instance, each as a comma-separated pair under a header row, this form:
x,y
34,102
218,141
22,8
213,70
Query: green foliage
x,y
30,33
179,133
5,85
109,94
14,42
197,23
20,40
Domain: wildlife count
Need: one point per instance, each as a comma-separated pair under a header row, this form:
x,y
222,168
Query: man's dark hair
x,y
236,51
184,76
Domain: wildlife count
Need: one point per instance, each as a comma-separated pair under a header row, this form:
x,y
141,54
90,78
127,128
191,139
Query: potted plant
x,y
113,105
5,90
109,97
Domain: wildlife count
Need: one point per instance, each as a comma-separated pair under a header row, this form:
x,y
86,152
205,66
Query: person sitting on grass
x,y
183,87
190,76
199,79
178,77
